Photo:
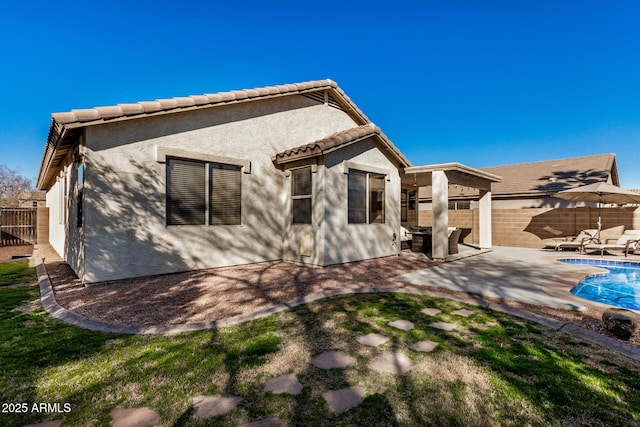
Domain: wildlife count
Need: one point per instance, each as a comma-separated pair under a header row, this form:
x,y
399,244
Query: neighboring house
x,y
532,185
32,199
294,172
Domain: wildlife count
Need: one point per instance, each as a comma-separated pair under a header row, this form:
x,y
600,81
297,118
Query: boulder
x,y
620,322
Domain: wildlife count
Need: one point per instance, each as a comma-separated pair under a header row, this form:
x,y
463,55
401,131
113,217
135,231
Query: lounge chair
x,y
628,242
583,238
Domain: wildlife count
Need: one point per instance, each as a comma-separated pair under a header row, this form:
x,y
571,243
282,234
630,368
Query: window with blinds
x,y
225,194
200,193
357,197
301,195
366,198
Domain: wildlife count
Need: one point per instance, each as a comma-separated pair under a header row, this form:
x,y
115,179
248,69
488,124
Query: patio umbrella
x,y
600,192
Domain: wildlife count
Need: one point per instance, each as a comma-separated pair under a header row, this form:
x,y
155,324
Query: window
x,y
190,201
366,204
225,194
459,205
301,195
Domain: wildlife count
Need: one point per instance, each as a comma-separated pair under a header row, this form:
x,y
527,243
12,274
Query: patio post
x,y
484,226
440,200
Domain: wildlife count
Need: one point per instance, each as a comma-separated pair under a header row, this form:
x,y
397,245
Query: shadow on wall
x,y
126,233
564,180
564,222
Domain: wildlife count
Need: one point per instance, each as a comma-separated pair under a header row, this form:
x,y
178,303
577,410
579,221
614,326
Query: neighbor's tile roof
x,y
145,108
339,140
543,177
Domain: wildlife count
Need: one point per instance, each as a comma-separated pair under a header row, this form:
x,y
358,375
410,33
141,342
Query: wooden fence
x,y
18,226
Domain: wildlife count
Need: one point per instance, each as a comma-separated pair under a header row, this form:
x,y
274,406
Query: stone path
x,y
205,407
134,417
344,399
463,313
392,363
338,401
444,326
424,346
405,325
333,359
266,422
373,340
284,384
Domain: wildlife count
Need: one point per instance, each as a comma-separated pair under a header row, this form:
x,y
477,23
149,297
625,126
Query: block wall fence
x,y
531,228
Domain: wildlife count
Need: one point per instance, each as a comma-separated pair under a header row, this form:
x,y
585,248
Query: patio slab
x,y
373,340
531,276
344,399
392,363
404,325
431,311
284,384
333,359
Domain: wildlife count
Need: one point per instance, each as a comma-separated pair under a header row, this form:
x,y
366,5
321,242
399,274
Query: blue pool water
x,y
619,287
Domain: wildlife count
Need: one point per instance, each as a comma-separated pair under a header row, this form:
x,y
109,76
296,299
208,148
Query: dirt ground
x,y
213,294
7,253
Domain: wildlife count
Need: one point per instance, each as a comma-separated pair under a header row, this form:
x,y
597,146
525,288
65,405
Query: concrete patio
x,y
530,276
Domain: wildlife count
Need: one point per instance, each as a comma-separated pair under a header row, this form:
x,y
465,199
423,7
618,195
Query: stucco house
x,y
294,172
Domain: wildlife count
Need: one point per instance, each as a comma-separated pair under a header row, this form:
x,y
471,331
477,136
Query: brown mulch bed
x,y
213,294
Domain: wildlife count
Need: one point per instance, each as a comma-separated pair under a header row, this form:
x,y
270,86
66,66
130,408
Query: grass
x,y
493,370
18,272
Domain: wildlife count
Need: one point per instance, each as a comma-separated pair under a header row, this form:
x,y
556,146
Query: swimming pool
x,y
619,287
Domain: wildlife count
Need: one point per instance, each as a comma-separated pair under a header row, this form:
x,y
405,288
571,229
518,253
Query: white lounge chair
x,y
583,238
628,242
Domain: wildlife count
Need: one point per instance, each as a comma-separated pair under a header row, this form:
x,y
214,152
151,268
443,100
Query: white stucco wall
x,y
346,242
125,228
65,236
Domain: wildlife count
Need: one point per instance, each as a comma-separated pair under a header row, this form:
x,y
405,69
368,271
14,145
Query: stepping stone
x,y
405,325
424,346
333,359
134,417
284,384
392,363
54,423
444,326
463,313
267,422
431,311
344,399
205,407
373,340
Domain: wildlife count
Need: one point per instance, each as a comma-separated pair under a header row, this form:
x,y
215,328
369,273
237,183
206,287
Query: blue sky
x,y
481,83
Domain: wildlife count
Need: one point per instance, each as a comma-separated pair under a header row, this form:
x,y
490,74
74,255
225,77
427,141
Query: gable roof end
x,y
339,140
66,127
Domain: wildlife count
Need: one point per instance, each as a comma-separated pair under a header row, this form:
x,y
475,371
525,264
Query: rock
x,y
620,322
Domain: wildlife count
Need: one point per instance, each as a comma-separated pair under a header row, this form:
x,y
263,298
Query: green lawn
x,y
493,370
17,272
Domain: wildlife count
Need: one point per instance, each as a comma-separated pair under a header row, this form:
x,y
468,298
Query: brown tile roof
x,y
144,108
544,177
67,126
339,140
